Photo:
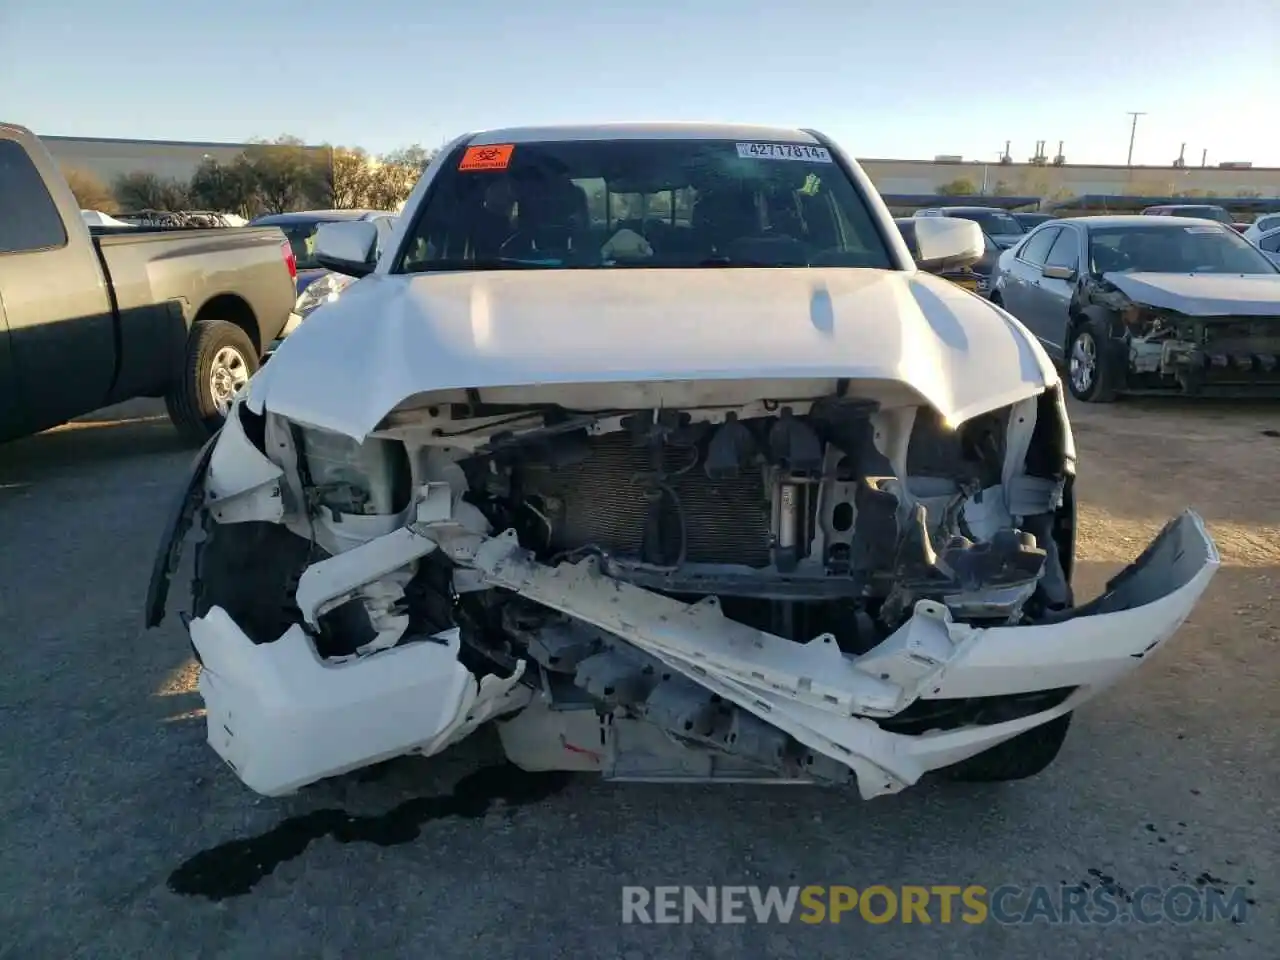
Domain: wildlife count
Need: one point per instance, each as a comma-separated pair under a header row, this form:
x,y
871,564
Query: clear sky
x,y
886,78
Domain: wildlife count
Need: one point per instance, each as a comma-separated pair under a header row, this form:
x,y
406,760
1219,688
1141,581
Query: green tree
x,y
286,173
143,190
90,192
960,187
225,187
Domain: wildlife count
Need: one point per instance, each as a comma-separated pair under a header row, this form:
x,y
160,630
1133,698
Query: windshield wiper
x,y
489,263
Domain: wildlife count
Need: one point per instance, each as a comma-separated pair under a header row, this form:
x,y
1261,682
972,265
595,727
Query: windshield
x,y
647,203
1195,248
992,223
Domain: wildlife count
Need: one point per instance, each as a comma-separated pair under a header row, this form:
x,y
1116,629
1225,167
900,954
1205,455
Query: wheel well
x,y
229,307
1074,319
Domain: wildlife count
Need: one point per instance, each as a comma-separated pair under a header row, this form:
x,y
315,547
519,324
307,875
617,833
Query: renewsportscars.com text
x,y
941,903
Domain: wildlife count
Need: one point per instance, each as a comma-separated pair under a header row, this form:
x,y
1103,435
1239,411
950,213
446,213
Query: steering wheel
x,y
518,235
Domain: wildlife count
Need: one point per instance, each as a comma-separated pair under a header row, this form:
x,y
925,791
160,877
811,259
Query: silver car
x,y
1145,304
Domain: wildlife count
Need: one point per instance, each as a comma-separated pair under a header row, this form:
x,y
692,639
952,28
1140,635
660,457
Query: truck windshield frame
x,y
662,203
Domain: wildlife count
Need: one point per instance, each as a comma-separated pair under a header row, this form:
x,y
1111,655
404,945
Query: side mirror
x,y
1058,273
947,243
348,247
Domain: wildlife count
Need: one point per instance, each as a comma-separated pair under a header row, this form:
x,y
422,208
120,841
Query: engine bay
x,y
837,519
805,590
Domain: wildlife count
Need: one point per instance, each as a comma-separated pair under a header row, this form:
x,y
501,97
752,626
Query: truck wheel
x,y
1091,373
220,360
1024,756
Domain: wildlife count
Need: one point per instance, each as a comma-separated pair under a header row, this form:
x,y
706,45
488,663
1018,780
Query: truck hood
x,y
1203,294
391,337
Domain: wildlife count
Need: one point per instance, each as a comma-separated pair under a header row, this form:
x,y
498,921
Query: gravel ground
x,y
122,835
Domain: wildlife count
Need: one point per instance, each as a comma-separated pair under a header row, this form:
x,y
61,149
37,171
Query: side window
x,y
1065,251
1271,244
1036,248
29,219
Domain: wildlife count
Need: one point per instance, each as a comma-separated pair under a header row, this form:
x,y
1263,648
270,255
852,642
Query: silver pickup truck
x,y
91,317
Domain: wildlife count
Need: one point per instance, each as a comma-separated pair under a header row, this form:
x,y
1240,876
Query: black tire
x,y
251,571
1096,385
191,402
1024,756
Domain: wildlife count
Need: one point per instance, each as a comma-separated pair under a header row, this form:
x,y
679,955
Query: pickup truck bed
x,y
94,317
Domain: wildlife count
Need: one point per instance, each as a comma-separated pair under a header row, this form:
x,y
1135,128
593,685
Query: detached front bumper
x,y
282,717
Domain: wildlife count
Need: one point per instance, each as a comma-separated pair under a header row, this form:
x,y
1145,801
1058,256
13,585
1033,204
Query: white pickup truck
x,y
652,444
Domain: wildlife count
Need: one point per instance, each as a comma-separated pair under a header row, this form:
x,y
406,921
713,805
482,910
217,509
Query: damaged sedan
x,y
652,445
1148,305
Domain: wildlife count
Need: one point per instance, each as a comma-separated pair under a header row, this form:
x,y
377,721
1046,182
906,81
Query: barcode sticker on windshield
x,y
784,151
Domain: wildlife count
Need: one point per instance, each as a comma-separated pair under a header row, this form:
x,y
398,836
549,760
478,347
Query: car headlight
x,y
347,476
321,291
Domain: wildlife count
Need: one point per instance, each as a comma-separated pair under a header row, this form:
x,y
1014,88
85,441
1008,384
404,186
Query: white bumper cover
x,y
282,717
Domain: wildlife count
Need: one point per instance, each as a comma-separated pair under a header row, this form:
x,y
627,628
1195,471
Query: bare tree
x,y
90,192
394,175
351,177
142,190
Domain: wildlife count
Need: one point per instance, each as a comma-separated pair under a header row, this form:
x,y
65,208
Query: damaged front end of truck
x,y
805,581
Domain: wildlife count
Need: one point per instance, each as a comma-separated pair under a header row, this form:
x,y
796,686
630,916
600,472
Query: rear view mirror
x,y
1057,273
947,243
348,247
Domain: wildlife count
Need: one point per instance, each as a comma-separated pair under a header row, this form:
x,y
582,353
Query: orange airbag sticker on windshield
x,y
492,157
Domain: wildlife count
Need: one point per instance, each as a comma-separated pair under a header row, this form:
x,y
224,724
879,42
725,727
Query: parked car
x,y
91,316
975,277
324,286
1029,220
300,229
1196,211
489,484
1263,223
1139,304
996,223
1269,243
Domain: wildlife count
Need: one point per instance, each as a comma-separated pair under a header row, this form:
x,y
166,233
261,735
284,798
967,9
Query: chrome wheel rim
x,y
1084,362
228,373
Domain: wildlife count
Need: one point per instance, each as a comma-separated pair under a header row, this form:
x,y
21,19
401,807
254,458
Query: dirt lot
x,y
110,802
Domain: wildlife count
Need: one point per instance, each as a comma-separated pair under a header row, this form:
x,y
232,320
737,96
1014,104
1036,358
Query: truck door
x,y
61,327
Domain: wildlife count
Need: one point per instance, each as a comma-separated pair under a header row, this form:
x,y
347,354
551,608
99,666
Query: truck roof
x,y
656,130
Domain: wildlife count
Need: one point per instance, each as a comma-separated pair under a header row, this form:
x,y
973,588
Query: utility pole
x,y
1133,132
